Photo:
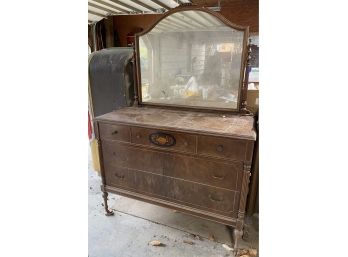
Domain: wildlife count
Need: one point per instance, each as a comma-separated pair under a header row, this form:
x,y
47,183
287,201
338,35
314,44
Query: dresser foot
x,y
107,211
236,235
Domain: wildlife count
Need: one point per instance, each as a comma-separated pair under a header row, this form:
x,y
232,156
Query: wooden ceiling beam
x,y
194,19
101,8
97,14
171,24
144,5
127,6
205,18
161,4
111,6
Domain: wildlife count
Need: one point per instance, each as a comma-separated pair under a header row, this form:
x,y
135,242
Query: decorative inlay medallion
x,y
162,139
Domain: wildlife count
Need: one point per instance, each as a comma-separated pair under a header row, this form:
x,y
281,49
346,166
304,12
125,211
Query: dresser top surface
x,y
209,123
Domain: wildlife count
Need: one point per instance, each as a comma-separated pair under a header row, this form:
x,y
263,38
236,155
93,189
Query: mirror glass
x,y
191,59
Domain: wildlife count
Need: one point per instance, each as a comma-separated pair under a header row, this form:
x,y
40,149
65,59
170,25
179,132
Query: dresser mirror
x,y
192,58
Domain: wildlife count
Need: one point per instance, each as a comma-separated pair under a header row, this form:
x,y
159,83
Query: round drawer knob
x,y
138,136
220,148
185,143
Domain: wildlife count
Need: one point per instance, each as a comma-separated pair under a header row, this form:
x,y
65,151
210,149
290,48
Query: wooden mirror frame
x,y
244,70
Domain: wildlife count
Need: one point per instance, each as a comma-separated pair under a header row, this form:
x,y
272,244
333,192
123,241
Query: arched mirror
x,y
192,58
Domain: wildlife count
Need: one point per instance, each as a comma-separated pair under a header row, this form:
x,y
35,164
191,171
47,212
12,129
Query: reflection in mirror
x,y
191,58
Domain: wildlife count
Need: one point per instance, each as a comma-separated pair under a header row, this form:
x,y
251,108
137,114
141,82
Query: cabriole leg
x,y
107,211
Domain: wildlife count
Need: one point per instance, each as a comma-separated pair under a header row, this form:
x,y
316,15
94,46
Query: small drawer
x,y
222,147
164,139
114,132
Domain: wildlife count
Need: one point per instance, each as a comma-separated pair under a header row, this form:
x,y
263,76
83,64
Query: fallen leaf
x,y
189,242
247,253
227,247
211,237
242,252
156,243
252,252
198,237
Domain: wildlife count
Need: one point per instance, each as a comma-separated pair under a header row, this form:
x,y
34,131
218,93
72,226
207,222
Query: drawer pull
x,y
214,199
218,177
119,176
220,148
114,133
138,136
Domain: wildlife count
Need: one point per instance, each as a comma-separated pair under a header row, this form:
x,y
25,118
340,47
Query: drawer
x,y
202,170
164,139
222,147
119,177
114,132
118,154
201,196
205,196
139,181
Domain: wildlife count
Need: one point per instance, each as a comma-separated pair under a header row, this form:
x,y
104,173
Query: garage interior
x,y
135,224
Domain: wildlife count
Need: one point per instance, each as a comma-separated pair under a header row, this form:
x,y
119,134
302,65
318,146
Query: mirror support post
x,y
135,77
244,109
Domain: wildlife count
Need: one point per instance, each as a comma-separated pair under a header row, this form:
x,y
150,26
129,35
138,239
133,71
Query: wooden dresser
x,y
187,143
197,163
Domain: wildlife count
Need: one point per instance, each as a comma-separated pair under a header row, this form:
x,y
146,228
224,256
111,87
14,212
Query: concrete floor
x,y
135,224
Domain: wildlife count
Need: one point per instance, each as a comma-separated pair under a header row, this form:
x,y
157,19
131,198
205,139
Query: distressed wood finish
x,y
115,132
222,147
205,173
216,173
220,125
216,200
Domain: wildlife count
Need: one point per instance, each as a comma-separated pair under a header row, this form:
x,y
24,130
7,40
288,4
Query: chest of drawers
x,y
197,163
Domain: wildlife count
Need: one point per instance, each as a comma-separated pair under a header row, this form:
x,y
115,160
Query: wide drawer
x,y
195,169
206,197
222,147
164,139
203,170
114,132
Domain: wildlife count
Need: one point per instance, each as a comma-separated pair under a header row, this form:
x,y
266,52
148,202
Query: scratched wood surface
x,y
222,125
